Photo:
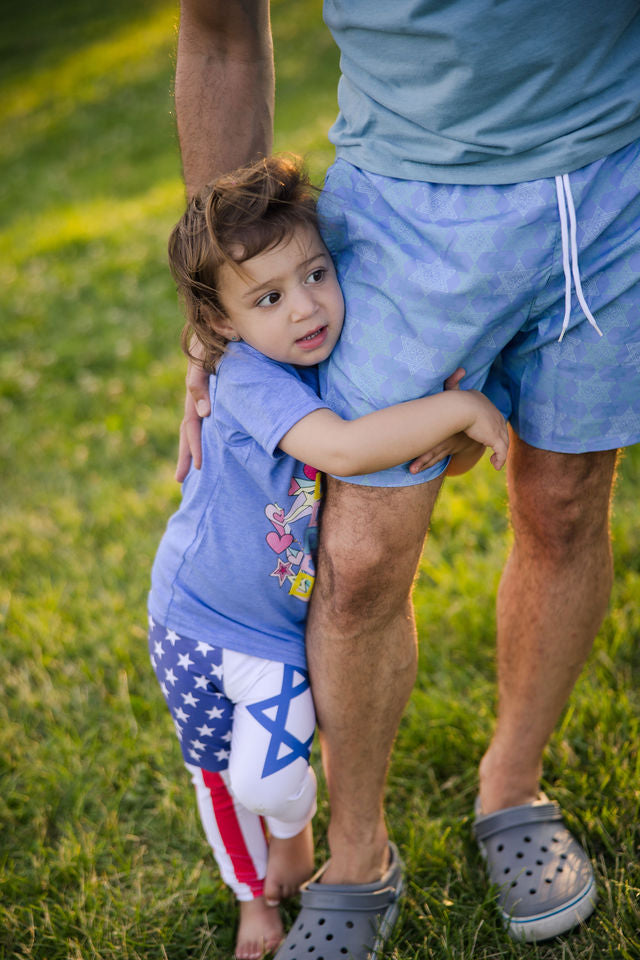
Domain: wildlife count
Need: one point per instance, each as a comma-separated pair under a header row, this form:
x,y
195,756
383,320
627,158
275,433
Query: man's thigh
x,y
582,393
432,281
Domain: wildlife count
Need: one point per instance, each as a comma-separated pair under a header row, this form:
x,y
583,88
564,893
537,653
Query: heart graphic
x,y
294,486
279,543
275,514
310,472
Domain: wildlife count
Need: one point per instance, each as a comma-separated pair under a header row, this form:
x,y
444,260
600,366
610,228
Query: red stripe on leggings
x,y
225,813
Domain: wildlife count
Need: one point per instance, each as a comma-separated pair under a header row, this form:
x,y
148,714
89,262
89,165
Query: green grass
x,y
102,855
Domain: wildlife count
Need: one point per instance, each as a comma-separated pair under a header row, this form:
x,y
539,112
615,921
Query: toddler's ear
x,y
219,322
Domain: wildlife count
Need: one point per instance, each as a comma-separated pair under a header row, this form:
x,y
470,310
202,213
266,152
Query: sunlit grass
x,y
84,223
89,73
102,852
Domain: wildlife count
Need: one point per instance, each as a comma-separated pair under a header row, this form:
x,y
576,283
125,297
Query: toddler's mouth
x,y
312,339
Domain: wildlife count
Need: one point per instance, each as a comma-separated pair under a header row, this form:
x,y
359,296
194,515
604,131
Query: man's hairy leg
x,y
361,646
551,602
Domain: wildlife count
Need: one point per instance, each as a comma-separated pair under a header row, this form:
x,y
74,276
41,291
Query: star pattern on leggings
x,y
272,714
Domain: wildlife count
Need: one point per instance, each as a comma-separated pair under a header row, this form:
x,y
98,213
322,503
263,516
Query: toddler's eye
x,y
269,299
317,276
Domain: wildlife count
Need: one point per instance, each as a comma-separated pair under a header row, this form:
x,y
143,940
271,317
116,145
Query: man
x,y
482,213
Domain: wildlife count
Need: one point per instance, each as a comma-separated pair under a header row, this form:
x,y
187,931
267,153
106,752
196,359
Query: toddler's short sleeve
x,y
255,398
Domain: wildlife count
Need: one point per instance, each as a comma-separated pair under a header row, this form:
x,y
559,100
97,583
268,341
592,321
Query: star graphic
x,y
216,670
205,731
227,736
170,677
189,699
309,495
172,636
165,690
184,661
634,355
203,647
222,754
181,715
192,753
158,648
215,713
178,729
416,354
152,622
201,683
282,571
280,736
197,745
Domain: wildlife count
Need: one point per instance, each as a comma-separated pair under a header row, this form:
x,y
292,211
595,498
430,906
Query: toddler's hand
x,y
489,428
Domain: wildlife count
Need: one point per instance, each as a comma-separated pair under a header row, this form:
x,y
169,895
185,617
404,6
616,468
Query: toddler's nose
x,y
303,305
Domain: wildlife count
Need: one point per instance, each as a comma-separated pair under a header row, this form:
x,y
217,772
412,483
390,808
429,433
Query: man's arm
x,y
224,98
224,91
396,434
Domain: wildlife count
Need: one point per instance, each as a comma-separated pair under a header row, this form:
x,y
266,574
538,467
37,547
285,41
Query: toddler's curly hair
x,y
231,220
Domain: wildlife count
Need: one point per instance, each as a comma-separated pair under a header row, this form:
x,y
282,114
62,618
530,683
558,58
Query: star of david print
x,y
272,714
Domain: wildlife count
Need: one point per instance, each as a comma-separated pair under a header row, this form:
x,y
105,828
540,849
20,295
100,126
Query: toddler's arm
x,y
396,434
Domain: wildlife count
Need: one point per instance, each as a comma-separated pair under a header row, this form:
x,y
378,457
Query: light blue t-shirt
x,y
235,565
484,91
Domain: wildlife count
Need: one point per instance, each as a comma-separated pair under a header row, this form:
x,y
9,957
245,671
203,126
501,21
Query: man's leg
x,y
552,598
361,646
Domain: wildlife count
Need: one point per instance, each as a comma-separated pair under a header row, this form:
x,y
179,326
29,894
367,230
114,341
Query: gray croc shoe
x,y
345,922
545,878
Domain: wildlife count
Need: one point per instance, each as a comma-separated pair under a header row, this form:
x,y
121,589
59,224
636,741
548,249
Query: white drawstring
x,y
565,201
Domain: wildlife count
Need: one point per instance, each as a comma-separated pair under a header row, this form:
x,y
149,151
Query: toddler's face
x,y
285,302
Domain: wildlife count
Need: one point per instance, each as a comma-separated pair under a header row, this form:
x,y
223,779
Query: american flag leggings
x,y
245,727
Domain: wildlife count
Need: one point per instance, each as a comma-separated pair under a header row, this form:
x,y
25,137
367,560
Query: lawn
x,y
102,853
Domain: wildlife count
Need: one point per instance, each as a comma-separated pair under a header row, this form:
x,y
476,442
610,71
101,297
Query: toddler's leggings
x,y
245,726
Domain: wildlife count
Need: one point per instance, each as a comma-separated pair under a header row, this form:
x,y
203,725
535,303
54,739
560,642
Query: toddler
x,y
234,571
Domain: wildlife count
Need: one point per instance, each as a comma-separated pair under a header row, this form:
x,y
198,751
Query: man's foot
x,y
545,880
363,862
345,920
505,781
260,930
289,863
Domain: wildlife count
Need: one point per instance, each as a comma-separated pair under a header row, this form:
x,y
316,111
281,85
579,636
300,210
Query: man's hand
x,y
196,406
465,449
457,445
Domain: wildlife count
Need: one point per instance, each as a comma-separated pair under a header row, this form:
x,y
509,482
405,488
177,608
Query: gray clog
x,y
345,922
545,880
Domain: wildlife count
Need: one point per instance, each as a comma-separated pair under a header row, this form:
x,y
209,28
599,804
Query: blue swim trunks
x,y
533,288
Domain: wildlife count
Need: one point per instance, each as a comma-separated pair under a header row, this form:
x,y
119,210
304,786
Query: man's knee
x,y
370,545
560,501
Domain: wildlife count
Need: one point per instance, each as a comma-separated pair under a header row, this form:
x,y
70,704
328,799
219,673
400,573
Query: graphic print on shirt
x,y
295,563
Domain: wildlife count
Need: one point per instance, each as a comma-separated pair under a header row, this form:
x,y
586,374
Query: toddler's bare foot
x,y
290,863
260,930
